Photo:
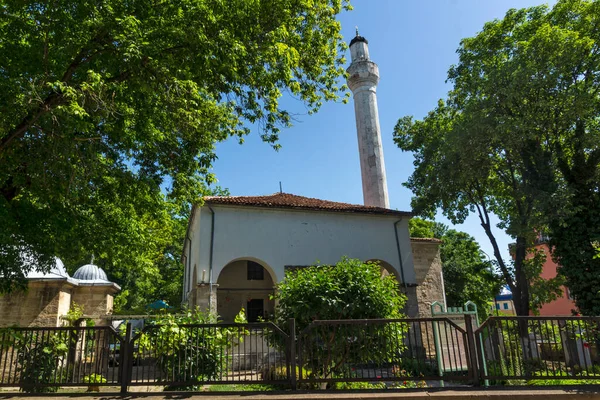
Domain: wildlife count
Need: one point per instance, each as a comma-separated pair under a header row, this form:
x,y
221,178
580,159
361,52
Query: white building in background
x,y
237,248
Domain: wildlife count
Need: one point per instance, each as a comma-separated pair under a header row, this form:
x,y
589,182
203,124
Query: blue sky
x,y
414,43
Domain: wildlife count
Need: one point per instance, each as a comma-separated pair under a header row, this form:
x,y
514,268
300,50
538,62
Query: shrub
x,y
351,289
188,354
40,360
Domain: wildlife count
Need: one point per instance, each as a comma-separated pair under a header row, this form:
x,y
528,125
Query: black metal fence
x,y
390,353
38,358
193,355
382,350
539,348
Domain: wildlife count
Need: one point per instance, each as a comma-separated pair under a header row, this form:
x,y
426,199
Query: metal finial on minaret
x,y
356,27
92,260
363,77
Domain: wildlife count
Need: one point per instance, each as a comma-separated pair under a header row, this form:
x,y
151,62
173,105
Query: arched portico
x,y
247,283
386,269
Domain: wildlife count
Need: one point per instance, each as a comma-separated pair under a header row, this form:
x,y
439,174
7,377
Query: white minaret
x,y
363,76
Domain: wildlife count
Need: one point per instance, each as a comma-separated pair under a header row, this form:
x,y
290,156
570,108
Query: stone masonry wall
x,y
41,304
94,299
203,298
428,270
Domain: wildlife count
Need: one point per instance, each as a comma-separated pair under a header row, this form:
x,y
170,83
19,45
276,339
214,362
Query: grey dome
x,y
56,272
90,272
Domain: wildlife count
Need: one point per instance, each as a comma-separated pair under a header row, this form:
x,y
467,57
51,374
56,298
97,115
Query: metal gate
x,y
194,355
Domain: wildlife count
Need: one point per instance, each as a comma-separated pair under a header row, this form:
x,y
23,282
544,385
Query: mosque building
x,y
237,248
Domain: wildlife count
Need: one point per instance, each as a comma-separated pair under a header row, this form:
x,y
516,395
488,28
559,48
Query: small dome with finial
x,y
90,272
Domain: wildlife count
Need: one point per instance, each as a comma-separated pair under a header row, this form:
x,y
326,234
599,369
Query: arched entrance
x,y
245,283
386,269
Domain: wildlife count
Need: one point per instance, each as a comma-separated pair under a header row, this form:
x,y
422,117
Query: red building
x,y
564,305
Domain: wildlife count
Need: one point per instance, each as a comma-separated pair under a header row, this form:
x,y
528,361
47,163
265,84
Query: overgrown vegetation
x,y
350,289
189,354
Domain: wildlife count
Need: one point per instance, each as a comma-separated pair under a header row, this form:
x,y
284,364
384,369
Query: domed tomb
x,y
91,272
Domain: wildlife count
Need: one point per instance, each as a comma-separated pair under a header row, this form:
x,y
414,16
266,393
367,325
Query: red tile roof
x,y
291,201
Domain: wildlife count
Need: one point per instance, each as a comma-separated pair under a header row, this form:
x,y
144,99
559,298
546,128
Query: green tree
x,y
422,228
110,111
350,289
493,147
468,273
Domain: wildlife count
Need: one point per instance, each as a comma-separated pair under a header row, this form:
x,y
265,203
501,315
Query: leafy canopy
x,y
110,110
518,125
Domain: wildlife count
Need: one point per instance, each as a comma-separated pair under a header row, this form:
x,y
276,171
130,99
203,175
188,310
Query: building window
x,y
256,272
256,310
505,306
497,306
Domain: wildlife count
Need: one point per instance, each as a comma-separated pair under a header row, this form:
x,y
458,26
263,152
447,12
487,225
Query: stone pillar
x,y
204,298
411,309
428,272
363,76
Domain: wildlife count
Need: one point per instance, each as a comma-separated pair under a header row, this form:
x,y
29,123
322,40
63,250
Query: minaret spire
x,y
363,77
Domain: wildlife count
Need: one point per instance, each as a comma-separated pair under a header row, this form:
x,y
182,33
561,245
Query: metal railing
x,y
194,355
383,350
392,353
37,358
539,348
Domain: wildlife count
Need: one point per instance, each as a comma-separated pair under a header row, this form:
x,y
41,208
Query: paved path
x,y
587,393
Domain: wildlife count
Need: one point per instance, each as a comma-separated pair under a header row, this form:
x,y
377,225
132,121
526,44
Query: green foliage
x,y
73,315
188,354
94,378
468,274
422,228
560,381
39,359
518,137
110,112
358,385
254,387
350,289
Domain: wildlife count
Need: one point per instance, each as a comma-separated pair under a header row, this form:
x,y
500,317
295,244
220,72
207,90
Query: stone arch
x,y
386,269
245,282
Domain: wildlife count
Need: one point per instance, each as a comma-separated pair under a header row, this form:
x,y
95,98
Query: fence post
x,y
124,363
292,353
472,348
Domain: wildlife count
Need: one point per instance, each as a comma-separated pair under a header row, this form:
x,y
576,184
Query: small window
x,y
497,306
256,272
506,306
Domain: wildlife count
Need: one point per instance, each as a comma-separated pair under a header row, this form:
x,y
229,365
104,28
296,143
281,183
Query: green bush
x,y
94,378
187,354
358,385
39,357
350,289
